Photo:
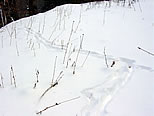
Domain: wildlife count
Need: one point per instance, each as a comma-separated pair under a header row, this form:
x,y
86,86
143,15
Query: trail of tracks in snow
x,y
99,96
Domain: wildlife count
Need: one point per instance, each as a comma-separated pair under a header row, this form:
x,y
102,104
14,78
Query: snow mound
x,y
60,60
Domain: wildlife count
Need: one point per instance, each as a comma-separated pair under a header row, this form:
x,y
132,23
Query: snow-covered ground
x,y
79,60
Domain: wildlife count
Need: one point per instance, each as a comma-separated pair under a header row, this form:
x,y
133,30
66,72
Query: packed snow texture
x,y
84,56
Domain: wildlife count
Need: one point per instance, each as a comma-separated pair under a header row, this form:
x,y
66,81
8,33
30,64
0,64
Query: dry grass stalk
x,y
74,66
2,18
43,24
85,59
113,63
56,104
145,51
78,22
34,52
54,70
105,58
9,35
2,83
15,31
69,55
30,23
59,76
104,14
37,79
39,27
17,50
60,17
53,30
79,49
32,47
75,62
2,41
68,43
139,5
29,42
81,42
62,44
13,79
39,45
53,84
69,59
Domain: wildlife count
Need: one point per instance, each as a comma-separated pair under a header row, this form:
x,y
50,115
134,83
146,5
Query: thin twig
x,y
56,104
145,51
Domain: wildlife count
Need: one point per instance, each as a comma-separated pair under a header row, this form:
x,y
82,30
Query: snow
x,y
30,47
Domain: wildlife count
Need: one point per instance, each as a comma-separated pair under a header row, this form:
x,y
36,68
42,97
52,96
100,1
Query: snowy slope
x,y
86,55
